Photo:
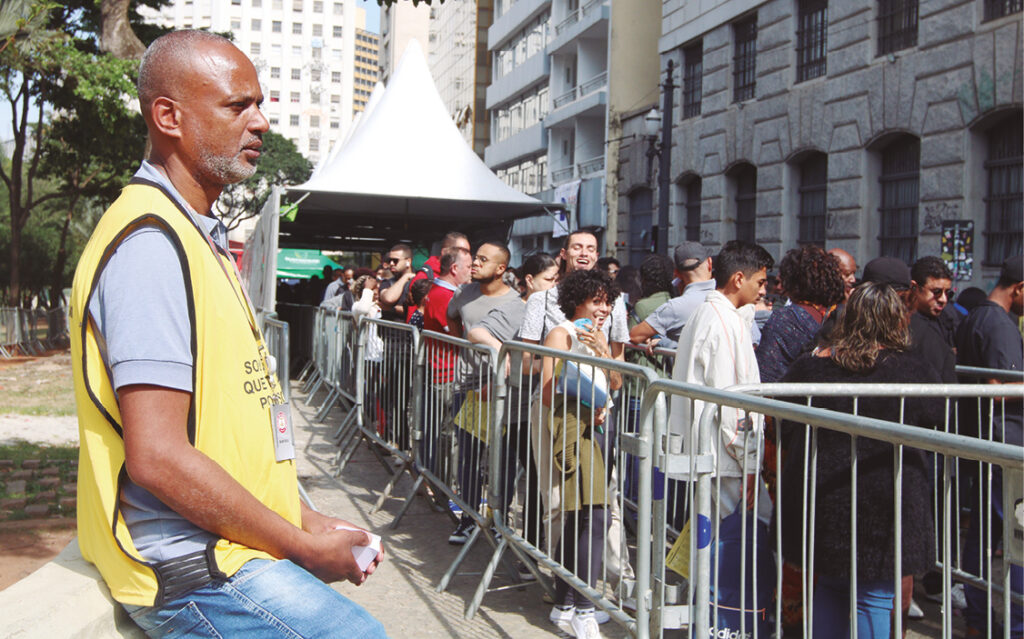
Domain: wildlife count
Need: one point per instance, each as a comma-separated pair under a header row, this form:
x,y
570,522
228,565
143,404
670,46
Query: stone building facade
x,y
863,124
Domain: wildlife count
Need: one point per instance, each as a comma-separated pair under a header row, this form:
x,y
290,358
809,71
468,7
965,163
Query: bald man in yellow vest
x,y
188,496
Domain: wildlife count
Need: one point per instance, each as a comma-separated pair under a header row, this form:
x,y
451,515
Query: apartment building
x,y
884,127
366,68
401,22
554,83
304,51
461,65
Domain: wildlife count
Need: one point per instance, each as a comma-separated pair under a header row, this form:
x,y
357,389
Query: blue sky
x,y
372,14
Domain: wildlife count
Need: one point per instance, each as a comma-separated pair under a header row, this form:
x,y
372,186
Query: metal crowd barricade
x,y
275,334
568,512
319,354
340,354
700,611
383,384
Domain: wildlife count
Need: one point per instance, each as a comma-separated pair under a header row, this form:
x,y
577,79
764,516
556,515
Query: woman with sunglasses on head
x,y
870,344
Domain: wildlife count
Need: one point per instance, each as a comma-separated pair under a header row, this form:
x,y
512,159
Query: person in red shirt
x,y
393,294
454,271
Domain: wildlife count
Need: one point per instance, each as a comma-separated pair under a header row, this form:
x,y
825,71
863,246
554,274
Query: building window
x,y
811,47
335,99
297,6
693,79
293,120
236,25
1002,8
897,25
641,219
314,144
339,8
744,60
274,120
318,30
275,72
294,96
314,75
275,50
318,7
254,48
335,124
277,4
297,51
256,4
813,200
693,200
256,24
745,179
314,121
236,3
296,28
335,76
296,74
275,26
275,96
901,165
1004,202
336,31
317,52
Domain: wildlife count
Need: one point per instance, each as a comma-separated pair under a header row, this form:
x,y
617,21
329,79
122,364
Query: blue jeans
x,y
832,608
264,598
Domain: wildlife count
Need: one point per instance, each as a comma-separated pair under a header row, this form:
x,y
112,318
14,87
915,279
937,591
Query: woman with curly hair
x,y
869,346
814,283
569,442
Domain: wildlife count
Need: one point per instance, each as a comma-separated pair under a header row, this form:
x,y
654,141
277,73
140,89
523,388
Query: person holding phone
x,y
570,444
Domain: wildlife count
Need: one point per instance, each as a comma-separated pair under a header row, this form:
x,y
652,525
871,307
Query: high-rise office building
x,y
401,22
366,68
305,53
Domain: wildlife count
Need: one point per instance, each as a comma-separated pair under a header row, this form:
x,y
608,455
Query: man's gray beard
x,y
225,170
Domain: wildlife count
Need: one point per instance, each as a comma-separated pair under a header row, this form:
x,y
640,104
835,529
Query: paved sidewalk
x,y
402,591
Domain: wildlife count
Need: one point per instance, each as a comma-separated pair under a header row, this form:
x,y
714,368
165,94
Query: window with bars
x,y
1002,8
693,200
275,26
296,74
293,120
811,39
813,200
744,59
745,179
296,28
1004,202
897,25
899,181
693,79
275,72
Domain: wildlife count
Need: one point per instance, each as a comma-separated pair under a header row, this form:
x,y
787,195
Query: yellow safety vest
x,y
229,420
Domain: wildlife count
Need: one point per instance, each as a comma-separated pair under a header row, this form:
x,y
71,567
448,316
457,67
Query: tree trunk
x,y
116,36
57,277
14,294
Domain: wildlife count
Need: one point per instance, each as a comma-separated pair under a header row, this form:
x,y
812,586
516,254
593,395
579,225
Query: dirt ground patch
x,y
26,545
37,385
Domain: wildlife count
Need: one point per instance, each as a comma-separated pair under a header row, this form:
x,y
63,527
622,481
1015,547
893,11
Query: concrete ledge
x,y
64,598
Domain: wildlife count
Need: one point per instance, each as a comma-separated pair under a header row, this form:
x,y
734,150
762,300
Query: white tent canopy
x,y
405,171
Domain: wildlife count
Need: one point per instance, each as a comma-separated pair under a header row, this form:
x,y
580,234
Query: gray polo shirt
x,y
140,311
669,318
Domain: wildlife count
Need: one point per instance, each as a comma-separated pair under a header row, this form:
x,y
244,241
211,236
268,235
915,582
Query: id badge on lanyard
x,y
284,434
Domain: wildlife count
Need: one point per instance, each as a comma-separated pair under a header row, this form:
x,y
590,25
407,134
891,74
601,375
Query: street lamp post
x,y
664,165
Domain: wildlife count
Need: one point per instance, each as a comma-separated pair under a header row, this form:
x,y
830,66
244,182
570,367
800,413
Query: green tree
x,y
280,164
73,117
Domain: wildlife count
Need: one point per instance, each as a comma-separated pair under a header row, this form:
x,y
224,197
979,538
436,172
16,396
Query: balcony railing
x,y
565,98
593,84
562,175
591,166
570,20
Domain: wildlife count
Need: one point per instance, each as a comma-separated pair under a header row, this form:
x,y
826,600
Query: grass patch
x,y
39,386
20,451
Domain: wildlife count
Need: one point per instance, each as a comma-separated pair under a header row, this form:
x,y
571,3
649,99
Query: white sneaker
x,y
561,615
915,612
585,625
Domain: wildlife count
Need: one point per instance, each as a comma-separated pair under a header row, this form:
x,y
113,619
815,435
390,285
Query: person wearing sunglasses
x,y
395,288
931,333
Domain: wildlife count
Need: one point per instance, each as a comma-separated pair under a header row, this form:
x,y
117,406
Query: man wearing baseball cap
x,y
990,338
693,268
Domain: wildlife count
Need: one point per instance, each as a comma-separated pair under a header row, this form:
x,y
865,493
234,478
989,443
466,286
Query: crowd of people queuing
x,y
729,320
